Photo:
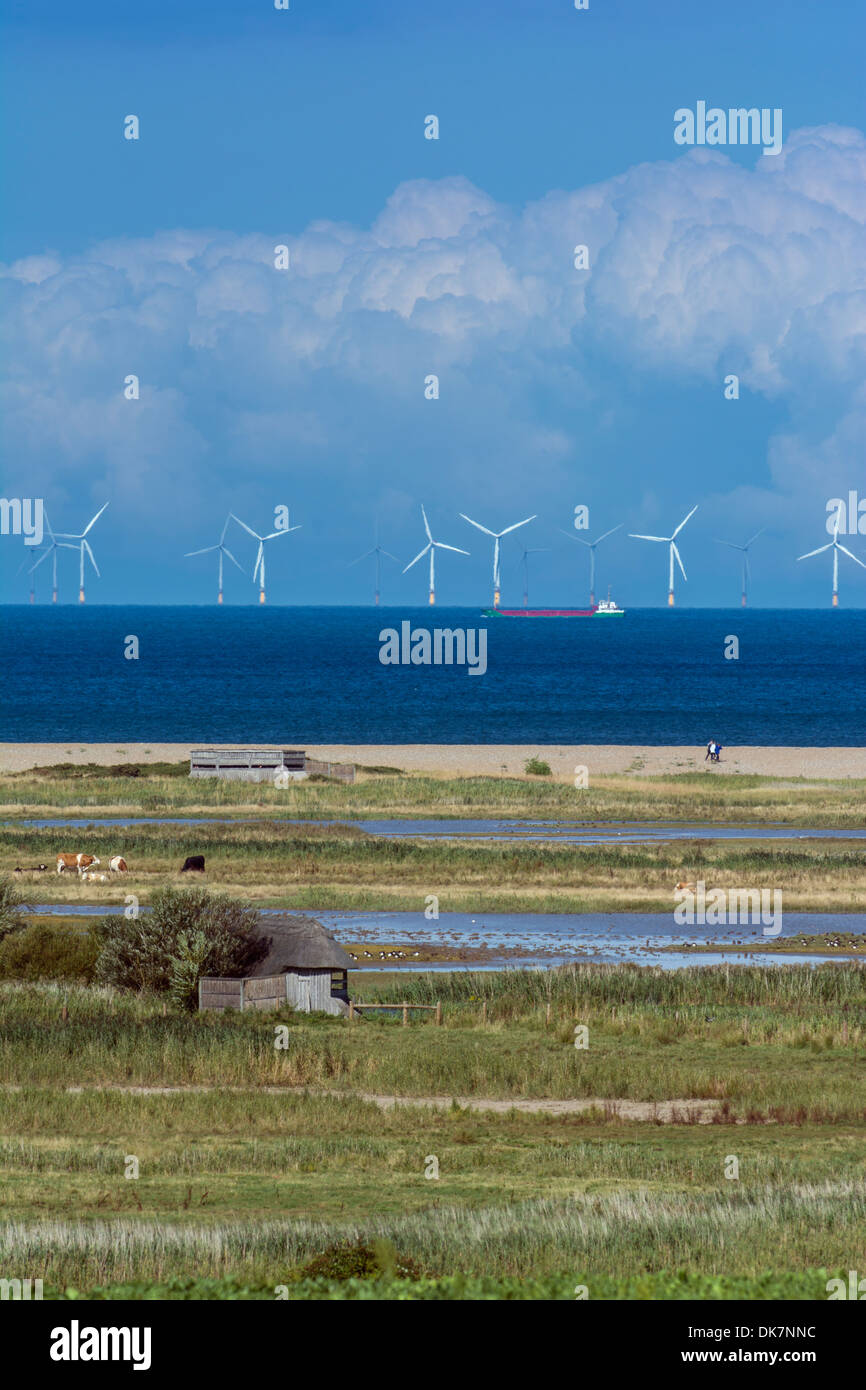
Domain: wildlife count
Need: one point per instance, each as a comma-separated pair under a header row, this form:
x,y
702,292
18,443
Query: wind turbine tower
x,y
223,550
670,541
524,561
591,545
744,550
497,537
259,566
432,546
82,546
835,547
377,550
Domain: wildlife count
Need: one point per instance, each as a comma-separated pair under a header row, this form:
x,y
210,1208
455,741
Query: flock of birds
x,y
386,955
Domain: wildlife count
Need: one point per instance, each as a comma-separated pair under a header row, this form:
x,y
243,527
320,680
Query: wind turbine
x,y
432,546
744,549
82,546
223,550
259,566
835,547
590,545
51,550
672,542
524,561
497,537
377,550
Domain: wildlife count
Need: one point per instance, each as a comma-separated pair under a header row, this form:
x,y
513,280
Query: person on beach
x,y
711,748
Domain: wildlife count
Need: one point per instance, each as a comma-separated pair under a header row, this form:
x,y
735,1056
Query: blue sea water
x,y
313,675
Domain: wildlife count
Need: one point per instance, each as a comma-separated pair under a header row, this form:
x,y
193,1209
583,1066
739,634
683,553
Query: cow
x,y
194,863
117,864
30,869
88,877
75,861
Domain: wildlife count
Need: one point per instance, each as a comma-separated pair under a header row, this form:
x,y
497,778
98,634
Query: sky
x,y
308,388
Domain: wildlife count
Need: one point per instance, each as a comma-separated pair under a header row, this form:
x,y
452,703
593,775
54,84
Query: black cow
x,y
194,863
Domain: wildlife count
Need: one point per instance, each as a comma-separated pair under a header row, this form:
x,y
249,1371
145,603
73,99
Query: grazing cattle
x,y
681,886
194,863
75,861
117,864
88,877
30,869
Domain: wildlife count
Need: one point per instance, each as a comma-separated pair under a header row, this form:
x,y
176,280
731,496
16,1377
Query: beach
x,y
482,759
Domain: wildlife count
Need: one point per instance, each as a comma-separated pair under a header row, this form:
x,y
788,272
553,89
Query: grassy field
x,y
261,1158
709,795
330,867
239,1188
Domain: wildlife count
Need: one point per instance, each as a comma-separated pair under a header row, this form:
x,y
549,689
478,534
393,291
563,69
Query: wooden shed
x,y
304,966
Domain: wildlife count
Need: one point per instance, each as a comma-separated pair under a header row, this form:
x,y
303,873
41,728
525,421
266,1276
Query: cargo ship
x,y
605,608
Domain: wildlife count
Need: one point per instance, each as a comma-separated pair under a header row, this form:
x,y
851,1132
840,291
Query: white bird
x,y
497,537
835,547
670,541
432,546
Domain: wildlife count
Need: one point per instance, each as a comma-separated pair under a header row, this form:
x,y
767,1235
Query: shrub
x,y
160,947
13,906
43,952
536,768
361,1261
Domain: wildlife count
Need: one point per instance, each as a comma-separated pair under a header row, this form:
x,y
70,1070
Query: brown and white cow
x,y
117,864
88,877
75,861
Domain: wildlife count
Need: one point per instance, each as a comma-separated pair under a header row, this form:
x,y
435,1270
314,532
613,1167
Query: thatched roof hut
x,y
297,943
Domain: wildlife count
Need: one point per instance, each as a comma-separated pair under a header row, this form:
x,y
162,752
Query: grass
x,y
705,796
324,867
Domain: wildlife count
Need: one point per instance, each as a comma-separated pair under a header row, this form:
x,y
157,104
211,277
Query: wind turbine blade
x,y
205,551
43,556
225,527
85,545
478,525
225,549
365,556
253,533
426,523
755,537
683,522
819,551
93,520
608,533
390,556
571,536
419,556
440,545
850,554
679,561
732,544
635,537
515,526
274,534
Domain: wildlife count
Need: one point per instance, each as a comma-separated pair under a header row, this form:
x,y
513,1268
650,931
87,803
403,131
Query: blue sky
x,y
453,257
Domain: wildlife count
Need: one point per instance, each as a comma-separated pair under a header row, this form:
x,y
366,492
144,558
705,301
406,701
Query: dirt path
x,y
655,1111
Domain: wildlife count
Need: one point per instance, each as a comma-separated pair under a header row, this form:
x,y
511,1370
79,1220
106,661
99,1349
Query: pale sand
x,y
490,759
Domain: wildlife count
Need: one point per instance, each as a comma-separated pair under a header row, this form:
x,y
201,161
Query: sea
x,y
292,676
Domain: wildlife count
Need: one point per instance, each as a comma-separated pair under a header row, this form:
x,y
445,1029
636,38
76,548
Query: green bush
x,y
536,768
13,906
42,952
163,949
361,1261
